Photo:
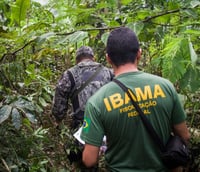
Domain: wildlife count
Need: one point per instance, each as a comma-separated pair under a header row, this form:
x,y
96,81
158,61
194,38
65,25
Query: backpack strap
x,y
77,91
71,78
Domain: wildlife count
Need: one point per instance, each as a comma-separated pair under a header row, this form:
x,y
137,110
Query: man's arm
x,y
59,107
182,131
60,100
90,155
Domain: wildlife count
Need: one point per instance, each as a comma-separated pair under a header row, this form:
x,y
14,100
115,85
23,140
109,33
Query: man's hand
x,y
90,155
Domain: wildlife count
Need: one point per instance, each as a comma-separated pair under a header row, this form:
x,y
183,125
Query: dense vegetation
x,y
38,43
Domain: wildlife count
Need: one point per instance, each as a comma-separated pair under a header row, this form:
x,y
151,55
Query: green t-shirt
x,y
110,112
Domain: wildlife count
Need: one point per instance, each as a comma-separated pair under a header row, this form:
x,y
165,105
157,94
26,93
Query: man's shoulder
x,y
156,77
104,90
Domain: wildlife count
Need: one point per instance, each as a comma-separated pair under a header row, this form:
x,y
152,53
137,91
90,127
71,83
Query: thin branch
x,y
5,164
58,34
16,51
147,19
87,30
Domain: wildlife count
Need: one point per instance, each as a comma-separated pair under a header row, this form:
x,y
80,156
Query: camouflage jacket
x,y
66,87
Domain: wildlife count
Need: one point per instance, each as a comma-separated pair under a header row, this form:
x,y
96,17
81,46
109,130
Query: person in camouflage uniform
x,y
78,84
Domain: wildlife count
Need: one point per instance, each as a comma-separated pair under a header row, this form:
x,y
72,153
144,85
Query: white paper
x,y
77,135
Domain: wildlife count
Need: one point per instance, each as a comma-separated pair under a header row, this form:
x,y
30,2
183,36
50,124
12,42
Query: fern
x,y
176,58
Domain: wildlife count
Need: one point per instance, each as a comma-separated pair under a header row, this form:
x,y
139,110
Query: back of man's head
x,y
84,52
122,46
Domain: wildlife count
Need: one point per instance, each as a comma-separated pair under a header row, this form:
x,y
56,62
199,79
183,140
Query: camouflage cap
x,y
84,51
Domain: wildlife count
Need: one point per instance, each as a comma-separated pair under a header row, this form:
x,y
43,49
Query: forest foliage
x,y
38,42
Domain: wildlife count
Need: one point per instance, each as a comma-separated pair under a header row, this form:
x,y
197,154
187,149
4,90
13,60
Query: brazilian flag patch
x,y
86,124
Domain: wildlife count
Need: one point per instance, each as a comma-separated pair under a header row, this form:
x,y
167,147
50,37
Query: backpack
x,y
82,91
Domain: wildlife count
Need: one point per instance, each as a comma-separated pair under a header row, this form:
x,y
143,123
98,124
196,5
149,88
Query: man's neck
x,y
85,60
125,69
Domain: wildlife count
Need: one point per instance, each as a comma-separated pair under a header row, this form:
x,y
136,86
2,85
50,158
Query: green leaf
x,y
47,97
36,26
19,10
5,113
195,3
193,32
40,132
39,109
8,35
16,118
22,103
126,2
77,37
104,38
42,102
136,27
31,117
176,58
44,37
191,80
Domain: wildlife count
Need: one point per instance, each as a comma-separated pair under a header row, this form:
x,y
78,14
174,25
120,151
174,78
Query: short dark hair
x,y
122,46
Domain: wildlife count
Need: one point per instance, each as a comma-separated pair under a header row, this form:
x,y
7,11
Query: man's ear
x,y
108,59
139,54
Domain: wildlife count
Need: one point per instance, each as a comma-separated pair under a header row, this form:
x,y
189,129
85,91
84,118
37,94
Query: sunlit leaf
x,y
77,37
195,3
40,132
5,113
31,117
193,54
19,10
193,32
44,37
136,27
42,102
104,37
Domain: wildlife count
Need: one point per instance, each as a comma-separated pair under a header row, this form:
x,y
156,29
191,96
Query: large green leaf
x,y
40,39
176,58
136,27
19,10
77,37
5,113
24,104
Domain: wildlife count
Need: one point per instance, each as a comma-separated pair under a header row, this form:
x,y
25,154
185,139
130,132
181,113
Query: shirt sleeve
x,y
61,96
93,131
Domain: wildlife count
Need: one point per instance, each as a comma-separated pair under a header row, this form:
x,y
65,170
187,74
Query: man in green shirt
x,y
110,112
